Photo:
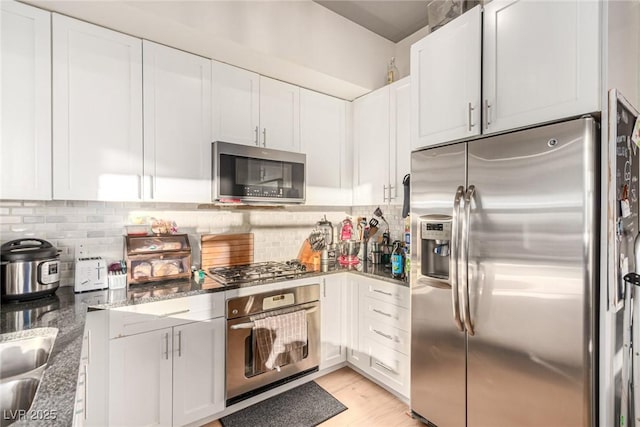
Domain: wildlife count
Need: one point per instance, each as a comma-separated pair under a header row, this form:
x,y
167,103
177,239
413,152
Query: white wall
x,y
299,41
623,65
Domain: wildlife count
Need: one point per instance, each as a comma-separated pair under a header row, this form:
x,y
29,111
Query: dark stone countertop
x,y
66,311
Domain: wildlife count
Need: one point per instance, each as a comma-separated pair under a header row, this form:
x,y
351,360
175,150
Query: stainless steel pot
x,y
30,268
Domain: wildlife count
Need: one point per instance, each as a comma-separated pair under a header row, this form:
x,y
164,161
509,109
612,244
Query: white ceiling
x,y
391,19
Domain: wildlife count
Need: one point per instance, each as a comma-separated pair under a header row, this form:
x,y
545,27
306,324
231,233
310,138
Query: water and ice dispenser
x,y
435,238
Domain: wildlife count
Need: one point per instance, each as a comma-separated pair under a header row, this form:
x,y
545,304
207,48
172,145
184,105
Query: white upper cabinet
x,y
371,148
279,115
177,125
445,74
400,138
236,104
254,110
323,138
541,61
25,143
381,138
97,112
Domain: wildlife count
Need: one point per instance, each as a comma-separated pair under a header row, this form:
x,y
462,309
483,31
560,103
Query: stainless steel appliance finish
x,y
509,338
22,364
243,173
30,268
257,272
246,371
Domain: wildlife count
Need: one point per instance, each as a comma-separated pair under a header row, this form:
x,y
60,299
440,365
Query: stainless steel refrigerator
x,y
503,279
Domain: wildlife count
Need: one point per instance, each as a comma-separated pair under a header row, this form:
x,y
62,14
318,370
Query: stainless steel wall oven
x,y
247,374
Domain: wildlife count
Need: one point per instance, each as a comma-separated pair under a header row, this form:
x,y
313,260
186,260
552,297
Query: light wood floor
x,y
368,403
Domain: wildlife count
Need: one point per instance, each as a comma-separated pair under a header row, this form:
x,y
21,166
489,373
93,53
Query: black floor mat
x,y
304,406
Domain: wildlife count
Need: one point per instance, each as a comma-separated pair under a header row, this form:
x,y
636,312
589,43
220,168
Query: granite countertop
x,y
66,311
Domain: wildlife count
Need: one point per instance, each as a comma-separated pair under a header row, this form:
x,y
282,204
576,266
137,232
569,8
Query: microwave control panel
x,y
257,191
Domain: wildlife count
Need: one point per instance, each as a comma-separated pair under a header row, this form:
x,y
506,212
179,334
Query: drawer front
x,y
393,338
385,313
386,292
389,367
135,319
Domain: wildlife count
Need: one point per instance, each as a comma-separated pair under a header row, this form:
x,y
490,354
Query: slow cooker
x,y
30,268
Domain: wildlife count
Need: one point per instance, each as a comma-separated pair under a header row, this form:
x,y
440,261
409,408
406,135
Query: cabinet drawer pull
x,y
389,294
174,313
382,334
382,365
382,312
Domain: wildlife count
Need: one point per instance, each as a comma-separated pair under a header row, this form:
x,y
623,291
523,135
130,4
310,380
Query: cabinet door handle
x,y
86,391
257,136
179,343
139,186
487,108
383,292
382,334
382,312
469,118
152,186
382,365
166,346
384,193
264,137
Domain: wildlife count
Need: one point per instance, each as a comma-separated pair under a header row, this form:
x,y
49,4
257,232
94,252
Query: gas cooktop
x,y
257,272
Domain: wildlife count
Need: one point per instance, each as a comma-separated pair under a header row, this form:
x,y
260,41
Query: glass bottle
x,y
392,71
397,261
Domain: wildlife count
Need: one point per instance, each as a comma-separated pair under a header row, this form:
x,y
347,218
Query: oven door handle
x,y
250,325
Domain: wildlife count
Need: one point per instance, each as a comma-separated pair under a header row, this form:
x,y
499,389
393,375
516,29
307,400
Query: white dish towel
x,y
281,338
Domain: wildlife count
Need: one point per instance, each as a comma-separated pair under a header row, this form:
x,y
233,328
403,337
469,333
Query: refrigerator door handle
x,y
453,258
464,259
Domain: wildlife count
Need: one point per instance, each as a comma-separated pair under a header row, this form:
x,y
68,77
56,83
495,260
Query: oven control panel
x,y
277,301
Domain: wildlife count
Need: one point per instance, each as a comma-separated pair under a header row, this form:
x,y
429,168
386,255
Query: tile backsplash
x,y
98,226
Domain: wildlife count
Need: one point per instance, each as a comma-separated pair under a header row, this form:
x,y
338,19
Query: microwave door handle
x,y
464,259
453,258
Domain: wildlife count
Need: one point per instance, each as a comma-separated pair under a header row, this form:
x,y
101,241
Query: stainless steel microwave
x,y
243,173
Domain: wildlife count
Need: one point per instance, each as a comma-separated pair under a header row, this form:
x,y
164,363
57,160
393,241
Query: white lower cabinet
x,y
169,373
333,331
355,356
380,337
140,389
198,370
